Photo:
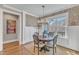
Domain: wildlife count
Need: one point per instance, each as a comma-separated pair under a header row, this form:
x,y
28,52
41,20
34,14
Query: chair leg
x,y
55,49
45,49
38,50
34,49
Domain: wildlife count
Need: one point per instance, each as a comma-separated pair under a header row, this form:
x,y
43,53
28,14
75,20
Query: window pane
x,y
52,22
61,21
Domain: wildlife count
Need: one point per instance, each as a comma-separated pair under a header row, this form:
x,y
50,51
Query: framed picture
x,y
11,26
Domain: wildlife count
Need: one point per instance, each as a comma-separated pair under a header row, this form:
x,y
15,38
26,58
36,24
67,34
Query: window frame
x,y
66,21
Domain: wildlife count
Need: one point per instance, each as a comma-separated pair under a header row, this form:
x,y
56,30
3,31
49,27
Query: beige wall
x,y
74,16
31,21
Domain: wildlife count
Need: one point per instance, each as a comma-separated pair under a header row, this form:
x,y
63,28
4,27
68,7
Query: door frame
x,y
20,21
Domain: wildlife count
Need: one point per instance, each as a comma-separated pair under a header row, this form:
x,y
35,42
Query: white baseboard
x,y
24,42
28,42
10,41
69,48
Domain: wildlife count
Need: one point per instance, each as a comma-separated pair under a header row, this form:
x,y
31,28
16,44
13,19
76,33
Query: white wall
x,y
73,35
72,40
1,31
28,31
28,34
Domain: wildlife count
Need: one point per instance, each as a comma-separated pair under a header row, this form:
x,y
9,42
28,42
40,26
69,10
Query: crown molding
x,y
11,8
30,14
15,9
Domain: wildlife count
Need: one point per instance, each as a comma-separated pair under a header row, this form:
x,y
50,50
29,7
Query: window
x,y
59,25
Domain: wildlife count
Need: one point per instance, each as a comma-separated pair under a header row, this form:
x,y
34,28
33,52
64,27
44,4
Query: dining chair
x,y
50,34
37,43
53,44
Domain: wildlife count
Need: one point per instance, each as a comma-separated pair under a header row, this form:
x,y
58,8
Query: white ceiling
x,y
37,10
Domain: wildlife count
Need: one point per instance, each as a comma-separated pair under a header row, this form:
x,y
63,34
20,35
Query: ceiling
x,y
36,9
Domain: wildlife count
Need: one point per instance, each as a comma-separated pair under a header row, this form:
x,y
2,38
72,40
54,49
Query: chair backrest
x,y
36,39
55,40
51,34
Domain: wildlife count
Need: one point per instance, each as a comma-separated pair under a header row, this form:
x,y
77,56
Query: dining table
x,y
45,40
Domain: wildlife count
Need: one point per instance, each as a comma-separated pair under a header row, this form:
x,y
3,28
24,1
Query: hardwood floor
x,y
60,50
14,49
27,49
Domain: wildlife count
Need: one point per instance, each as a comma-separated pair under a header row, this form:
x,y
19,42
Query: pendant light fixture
x,y
43,9
42,22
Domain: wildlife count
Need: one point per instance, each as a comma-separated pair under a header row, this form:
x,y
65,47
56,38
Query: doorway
x,y
11,30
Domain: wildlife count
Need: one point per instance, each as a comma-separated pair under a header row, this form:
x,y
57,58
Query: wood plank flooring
x,y
60,50
27,49
14,48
